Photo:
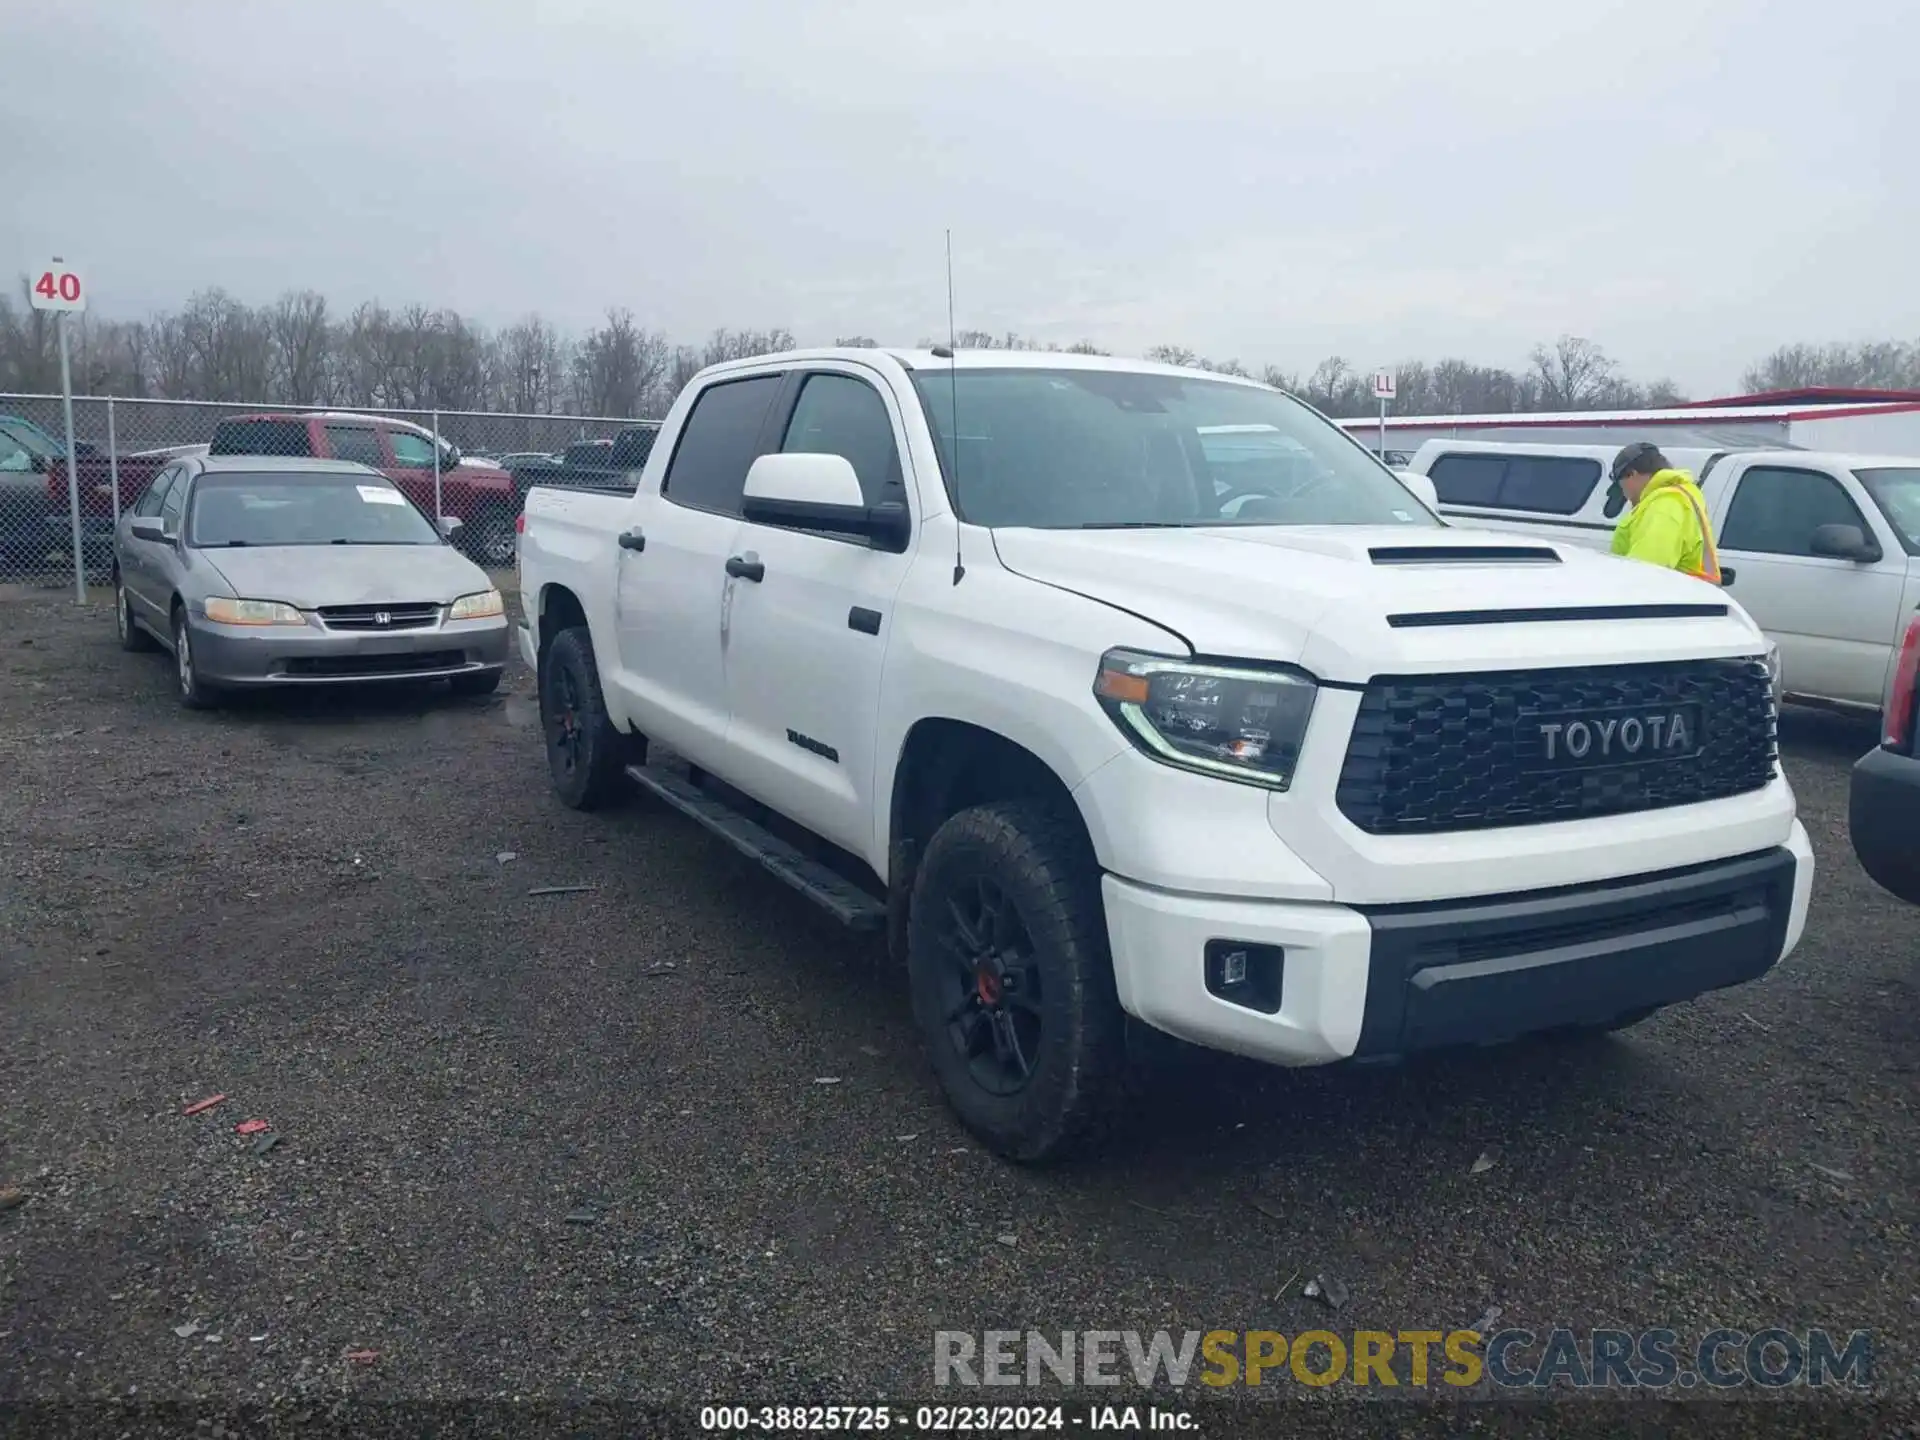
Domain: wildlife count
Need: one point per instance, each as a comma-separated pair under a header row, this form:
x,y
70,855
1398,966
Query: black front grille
x,y
1431,754
346,666
410,616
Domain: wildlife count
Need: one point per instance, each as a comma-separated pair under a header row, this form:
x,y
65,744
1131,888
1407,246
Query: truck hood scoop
x,y
1539,615
1463,555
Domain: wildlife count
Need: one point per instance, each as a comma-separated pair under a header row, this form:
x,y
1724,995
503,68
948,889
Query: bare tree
x,y
619,367
1880,365
302,347
529,366
1574,374
29,348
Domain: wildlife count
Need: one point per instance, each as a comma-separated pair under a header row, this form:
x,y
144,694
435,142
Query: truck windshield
x,y
314,509
26,440
1897,493
1090,449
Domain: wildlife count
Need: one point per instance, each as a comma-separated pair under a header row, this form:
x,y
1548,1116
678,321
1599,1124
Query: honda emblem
x,y
383,617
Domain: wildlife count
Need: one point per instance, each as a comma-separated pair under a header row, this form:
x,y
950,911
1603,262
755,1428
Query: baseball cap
x,y
1631,458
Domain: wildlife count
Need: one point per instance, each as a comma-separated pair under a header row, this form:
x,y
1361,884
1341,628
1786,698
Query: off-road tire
x,y
1038,857
593,775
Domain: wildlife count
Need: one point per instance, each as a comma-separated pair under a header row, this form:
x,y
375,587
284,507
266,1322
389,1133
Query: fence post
x,y
113,463
437,512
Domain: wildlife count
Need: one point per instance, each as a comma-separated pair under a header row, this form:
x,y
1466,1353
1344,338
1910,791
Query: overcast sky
x,y
1688,182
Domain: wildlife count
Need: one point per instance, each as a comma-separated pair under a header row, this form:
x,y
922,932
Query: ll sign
x,y
58,286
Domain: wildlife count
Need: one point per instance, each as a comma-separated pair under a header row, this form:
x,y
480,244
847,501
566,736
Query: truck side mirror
x,y
820,492
1844,542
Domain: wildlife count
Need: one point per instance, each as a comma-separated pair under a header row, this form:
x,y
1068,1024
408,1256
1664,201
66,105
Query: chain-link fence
x,y
472,465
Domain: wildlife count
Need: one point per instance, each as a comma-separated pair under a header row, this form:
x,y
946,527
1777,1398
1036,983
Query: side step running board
x,y
846,902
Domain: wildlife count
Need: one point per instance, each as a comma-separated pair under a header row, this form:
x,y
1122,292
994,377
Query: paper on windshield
x,y
380,495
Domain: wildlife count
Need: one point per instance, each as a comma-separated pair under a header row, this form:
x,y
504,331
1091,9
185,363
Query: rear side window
x,y
1544,484
1468,479
719,441
261,437
357,443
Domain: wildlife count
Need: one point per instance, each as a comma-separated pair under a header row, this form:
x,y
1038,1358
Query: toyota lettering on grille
x,y
1579,741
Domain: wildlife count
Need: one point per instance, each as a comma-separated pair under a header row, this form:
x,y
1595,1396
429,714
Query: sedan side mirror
x,y
1845,542
450,525
452,457
145,527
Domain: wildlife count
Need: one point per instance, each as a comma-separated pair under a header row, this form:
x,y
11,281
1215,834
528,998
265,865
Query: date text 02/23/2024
x,y
941,1419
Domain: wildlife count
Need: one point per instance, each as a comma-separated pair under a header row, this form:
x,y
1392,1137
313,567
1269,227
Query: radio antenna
x,y
953,413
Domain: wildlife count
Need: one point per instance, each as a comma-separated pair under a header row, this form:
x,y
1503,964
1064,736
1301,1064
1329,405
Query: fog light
x,y
1245,974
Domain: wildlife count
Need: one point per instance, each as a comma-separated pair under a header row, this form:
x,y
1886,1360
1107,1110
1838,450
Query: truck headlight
x,y
1240,722
480,606
253,612
1774,670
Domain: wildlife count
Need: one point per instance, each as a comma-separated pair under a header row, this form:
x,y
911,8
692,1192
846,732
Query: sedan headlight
x,y
253,612
1242,723
480,606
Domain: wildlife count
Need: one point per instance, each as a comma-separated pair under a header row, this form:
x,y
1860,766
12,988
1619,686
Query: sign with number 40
x,y
58,286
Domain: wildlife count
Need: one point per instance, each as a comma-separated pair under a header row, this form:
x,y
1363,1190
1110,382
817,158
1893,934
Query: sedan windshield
x,y
1897,493
1091,449
307,509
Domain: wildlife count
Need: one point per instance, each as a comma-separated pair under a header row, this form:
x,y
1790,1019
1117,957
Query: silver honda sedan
x,y
262,571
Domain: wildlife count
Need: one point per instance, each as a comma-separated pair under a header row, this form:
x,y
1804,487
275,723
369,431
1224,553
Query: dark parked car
x,y
266,572
592,463
481,497
53,529
1884,800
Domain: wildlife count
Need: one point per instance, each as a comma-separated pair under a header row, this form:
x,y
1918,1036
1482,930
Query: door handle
x,y
1726,577
866,621
742,568
632,540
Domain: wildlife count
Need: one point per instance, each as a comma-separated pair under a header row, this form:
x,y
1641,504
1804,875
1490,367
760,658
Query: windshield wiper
x,y
1133,524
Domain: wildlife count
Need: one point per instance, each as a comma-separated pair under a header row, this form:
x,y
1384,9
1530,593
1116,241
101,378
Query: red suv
x,y
481,497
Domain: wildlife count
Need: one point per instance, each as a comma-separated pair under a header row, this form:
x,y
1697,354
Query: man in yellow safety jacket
x,y
1668,523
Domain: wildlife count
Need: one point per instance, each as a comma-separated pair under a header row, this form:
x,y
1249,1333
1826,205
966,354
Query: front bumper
x,y
1377,981
272,655
1883,817
529,654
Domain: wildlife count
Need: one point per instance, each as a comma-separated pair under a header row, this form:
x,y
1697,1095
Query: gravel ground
x,y
582,1145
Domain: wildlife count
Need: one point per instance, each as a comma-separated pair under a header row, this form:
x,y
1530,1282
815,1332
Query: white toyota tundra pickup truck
x,y
1110,690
